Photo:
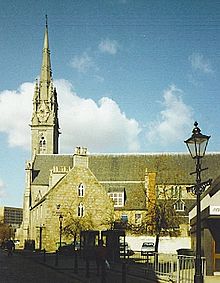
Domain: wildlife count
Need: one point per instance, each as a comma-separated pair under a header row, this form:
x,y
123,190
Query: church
x,y
102,189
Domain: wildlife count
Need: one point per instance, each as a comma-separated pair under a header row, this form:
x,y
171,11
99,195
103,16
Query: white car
x,y
147,248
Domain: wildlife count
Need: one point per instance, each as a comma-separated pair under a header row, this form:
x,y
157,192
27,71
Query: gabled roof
x,y
171,168
43,163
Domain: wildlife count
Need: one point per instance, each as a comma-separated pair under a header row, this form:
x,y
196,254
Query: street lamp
x,y
61,227
197,145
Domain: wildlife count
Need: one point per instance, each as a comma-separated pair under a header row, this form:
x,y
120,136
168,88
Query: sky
x,y
131,76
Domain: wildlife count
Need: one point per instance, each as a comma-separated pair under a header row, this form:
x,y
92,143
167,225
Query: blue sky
x,y
131,76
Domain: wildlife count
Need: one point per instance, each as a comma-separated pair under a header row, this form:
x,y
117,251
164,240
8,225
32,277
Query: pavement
x,y
31,267
37,267
212,279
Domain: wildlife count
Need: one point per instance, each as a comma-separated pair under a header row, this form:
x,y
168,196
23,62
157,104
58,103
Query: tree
x,y
74,225
5,231
161,215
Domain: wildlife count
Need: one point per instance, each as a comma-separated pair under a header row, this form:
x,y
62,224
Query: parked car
x,y
69,248
148,248
16,243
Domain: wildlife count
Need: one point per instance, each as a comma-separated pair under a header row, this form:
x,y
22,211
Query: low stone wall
x,y
166,244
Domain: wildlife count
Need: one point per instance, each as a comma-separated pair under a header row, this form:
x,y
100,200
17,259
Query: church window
x,y
37,213
41,212
42,145
118,198
81,190
137,218
81,210
176,192
179,205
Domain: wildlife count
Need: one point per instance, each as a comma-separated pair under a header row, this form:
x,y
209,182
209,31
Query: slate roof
x,y
44,163
126,172
171,168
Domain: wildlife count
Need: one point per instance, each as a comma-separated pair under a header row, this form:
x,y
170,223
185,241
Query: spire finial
x,y
46,20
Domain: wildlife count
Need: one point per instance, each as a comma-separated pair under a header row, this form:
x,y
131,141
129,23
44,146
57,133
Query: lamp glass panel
x,y
197,146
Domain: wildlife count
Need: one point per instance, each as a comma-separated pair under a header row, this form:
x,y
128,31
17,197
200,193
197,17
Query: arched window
x,y
81,210
42,145
81,190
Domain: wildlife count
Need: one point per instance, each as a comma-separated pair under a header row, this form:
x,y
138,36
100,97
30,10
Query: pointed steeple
x,y
46,74
45,124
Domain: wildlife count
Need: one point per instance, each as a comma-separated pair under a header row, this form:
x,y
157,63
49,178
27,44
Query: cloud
x,y
199,63
15,109
109,46
102,126
174,121
82,63
2,189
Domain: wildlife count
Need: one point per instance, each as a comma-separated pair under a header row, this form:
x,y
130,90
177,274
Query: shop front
x,y
210,227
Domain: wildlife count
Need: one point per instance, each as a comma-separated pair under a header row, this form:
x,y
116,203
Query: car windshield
x,y
148,244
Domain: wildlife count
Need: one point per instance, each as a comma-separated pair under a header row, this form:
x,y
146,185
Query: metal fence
x,y
169,267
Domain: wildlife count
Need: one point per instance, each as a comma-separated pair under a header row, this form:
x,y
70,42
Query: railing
x,y
186,268
169,267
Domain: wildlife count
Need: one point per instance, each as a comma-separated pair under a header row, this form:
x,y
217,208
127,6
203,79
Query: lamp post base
x,y
198,278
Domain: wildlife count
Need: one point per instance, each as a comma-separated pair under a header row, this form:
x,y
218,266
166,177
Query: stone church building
x,y
103,188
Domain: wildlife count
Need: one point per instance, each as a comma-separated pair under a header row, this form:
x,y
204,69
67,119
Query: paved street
x,y
20,269
30,267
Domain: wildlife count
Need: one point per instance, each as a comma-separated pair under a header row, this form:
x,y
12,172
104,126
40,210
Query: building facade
x,y
102,188
210,225
11,215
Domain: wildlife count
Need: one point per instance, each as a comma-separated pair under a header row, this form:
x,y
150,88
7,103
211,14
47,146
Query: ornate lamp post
x,y
197,145
61,228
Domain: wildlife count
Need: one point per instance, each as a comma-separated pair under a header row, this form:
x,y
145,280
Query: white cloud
x,y
174,121
15,109
199,63
101,126
82,63
2,189
109,46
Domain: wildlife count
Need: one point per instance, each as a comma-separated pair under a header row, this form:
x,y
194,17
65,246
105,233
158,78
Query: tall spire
x,y
44,123
46,74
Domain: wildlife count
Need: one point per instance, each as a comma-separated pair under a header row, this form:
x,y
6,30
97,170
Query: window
x,y
179,205
80,210
176,192
118,198
137,218
81,190
42,145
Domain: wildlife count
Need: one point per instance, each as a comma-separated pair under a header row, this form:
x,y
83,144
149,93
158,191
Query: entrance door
x,y
216,256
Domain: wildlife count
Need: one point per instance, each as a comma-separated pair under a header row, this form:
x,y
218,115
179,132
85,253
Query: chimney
x,y
80,157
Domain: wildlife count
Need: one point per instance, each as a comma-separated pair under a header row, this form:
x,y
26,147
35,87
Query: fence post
x,y
123,272
178,270
56,258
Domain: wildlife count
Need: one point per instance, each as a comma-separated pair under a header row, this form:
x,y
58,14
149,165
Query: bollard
x,y
44,255
56,258
87,268
76,263
123,272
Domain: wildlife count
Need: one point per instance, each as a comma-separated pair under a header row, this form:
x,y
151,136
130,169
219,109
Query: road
x,y
18,269
24,267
